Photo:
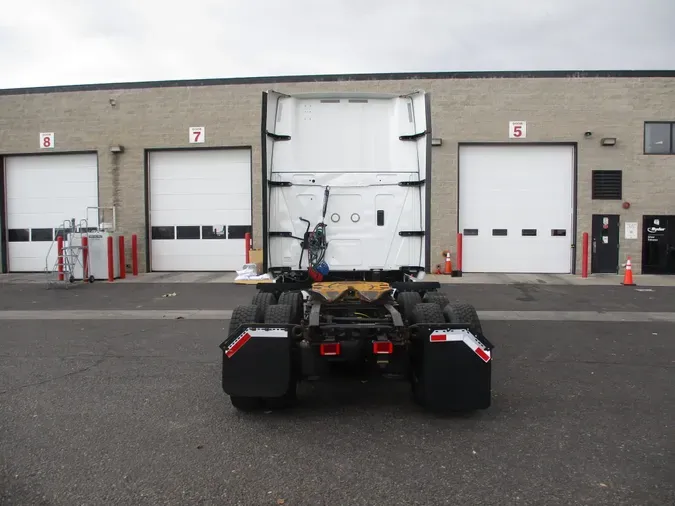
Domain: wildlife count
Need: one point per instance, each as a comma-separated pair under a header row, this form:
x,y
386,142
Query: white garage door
x,y
200,209
43,191
516,208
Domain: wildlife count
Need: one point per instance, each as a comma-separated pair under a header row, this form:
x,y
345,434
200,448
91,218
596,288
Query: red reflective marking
x,y
330,349
482,354
383,347
241,341
435,338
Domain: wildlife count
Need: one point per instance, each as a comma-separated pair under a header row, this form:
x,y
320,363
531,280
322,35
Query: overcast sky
x,y
52,42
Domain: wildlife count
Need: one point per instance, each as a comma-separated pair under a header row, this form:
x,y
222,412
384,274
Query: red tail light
x,y
330,348
383,347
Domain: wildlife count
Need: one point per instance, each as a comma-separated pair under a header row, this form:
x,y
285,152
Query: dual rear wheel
x,y
266,308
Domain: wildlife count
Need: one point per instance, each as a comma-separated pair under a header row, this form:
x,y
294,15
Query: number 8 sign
x,y
47,140
517,129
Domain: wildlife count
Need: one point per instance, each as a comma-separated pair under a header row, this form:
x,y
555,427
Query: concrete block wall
x,y
463,110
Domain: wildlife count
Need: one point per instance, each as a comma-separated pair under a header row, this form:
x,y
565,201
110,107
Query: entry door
x,y
658,245
605,243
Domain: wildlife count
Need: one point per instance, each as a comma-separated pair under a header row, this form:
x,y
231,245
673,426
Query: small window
x,y
214,232
470,231
529,232
380,218
606,185
660,138
499,231
41,234
188,232
18,235
165,233
238,231
558,232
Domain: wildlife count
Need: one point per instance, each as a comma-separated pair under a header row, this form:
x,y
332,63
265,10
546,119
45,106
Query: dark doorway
x,y
658,244
605,244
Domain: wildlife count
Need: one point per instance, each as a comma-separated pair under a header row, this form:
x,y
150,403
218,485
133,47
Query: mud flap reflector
x,y
442,336
244,337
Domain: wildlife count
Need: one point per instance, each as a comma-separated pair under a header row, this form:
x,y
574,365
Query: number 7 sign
x,y
197,135
517,129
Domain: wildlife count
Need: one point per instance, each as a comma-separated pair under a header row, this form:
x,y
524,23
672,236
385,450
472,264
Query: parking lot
x,y
127,410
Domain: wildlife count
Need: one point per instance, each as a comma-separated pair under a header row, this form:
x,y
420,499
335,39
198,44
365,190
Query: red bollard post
x,y
247,240
59,249
459,254
584,256
111,260
134,254
123,261
85,259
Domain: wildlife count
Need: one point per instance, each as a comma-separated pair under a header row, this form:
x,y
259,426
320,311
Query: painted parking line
x,y
206,314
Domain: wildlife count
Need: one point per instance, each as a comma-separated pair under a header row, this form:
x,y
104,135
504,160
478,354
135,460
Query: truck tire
x,y
293,299
279,313
262,300
407,301
242,315
425,312
436,298
428,312
283,315
463,313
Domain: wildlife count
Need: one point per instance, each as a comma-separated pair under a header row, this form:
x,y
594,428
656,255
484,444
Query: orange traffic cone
x,y
628,274
448,263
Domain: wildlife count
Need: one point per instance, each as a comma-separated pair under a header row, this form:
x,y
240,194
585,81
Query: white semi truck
x,y
346,197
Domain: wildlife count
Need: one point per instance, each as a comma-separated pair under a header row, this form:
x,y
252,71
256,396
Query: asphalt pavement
x,y
109,411
218,296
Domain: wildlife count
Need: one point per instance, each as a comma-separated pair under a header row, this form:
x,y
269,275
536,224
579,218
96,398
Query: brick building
x,y
513,153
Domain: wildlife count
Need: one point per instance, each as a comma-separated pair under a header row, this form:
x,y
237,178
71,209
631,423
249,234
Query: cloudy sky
x,y
52,42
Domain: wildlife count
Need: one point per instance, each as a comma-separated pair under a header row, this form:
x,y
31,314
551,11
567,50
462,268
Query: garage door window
x,y
214,232
42,234
18,235
189,232
166,233
237,231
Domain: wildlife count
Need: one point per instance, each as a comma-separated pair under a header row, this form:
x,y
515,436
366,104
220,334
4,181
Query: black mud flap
x,y
454,372
257,361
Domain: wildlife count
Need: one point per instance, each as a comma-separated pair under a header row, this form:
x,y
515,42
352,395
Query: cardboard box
x,y
256,257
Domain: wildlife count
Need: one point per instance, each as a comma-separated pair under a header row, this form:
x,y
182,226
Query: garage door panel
x,y
200,202
515,188
192,192
214,254
227,184
35,212
220,218
176,161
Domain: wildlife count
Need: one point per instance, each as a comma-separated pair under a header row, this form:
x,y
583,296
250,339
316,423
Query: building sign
x,y
631,230
517,129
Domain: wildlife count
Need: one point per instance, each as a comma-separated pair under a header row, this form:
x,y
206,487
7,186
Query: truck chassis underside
x,y
408,331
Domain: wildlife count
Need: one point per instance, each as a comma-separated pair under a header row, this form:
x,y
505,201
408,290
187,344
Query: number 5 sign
x,y
46,140
197,135
517,129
